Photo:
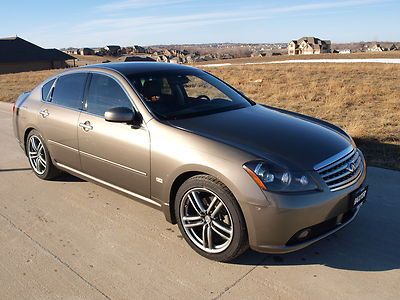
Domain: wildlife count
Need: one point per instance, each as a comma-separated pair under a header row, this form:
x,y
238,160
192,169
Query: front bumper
x,y
275,228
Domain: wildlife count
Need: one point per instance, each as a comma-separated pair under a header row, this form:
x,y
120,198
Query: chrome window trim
x,y
50,90
109,184
65,107
333,158
84,101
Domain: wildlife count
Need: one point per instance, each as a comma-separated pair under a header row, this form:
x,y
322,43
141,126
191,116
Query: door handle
x,y
44,112
86,126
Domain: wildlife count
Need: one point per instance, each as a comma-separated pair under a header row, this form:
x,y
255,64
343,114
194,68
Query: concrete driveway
x,y
72,239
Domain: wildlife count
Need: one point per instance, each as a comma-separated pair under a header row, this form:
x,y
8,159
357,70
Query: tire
x,y
39,157
210,219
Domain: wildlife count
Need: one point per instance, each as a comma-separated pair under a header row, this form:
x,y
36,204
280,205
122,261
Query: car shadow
x,y
379,154
15,169
370,243
66,177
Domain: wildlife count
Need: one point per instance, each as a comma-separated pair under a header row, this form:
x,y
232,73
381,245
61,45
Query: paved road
x,y
73,239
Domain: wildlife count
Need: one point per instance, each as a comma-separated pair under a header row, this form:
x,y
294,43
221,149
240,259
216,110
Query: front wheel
x,y
210,218
39,157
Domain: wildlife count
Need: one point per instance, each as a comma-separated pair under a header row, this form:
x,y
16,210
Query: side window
x,y
105,93
69,90
46,89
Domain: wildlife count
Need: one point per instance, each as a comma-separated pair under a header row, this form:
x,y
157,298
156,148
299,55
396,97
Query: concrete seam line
x,y
54,256
239,279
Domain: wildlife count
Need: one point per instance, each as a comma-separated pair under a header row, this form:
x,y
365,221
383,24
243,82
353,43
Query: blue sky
x,y
145,22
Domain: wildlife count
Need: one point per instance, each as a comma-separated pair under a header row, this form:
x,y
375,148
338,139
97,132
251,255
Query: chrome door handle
x,y
86,126
44,113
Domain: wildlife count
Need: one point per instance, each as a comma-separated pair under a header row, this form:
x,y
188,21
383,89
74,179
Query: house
x,y
113,50
393,47
19,55
162,58
376,48
138,49
309,45
379,47
344,51
72,51
138,58
86,51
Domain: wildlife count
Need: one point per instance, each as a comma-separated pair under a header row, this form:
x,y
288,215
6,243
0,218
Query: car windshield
x,y
175,94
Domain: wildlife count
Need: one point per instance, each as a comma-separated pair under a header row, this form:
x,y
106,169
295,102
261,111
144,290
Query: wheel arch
x,y
26,134
189,172
179,180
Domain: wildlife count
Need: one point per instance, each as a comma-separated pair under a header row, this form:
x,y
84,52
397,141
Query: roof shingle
x,y
15,49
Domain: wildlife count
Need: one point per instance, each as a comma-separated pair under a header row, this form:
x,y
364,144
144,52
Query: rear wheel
x,y
210,219
39,157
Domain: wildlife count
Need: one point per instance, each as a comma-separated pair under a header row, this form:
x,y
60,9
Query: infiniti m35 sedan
x,y
231,173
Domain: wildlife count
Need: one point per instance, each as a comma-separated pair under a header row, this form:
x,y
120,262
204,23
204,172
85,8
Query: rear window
x,y
46,89
69,90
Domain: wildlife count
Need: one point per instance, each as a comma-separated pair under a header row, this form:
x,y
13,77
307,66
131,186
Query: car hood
x,y
266,133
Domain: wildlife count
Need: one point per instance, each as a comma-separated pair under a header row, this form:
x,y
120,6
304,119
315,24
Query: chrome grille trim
x,y
334,158
339,174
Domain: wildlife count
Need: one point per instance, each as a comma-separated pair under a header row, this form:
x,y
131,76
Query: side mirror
x,y
120,115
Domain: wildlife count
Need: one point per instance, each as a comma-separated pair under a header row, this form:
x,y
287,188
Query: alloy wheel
x,y
37,155
206,220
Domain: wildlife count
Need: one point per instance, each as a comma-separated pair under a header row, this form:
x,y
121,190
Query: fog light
x,y
303,234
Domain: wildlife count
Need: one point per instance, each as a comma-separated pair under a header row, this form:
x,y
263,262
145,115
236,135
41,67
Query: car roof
x,y
131,68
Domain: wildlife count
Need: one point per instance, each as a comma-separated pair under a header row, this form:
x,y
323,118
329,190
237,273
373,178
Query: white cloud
x,y
121,23
161,22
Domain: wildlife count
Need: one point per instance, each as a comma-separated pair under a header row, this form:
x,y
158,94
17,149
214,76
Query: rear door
x,y
59,117
116,153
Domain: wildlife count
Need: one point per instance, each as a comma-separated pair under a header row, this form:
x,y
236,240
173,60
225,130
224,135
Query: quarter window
x,y
69,90
105,93
46,89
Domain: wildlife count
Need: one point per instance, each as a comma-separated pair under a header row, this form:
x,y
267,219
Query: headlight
x,y
274,178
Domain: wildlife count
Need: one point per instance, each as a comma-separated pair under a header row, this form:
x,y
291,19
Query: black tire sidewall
x,y
239,241
48,173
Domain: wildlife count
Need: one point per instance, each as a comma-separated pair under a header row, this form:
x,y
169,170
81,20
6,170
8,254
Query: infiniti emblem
x,y
351,167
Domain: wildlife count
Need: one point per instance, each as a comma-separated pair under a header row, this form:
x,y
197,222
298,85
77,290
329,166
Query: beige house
x,y
382,47
309,45
376,48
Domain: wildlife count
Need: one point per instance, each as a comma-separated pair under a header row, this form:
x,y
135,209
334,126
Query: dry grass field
x,y
357,55
12,85
364,99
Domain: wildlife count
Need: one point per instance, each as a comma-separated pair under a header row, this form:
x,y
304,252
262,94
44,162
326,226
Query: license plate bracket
x,y
358,197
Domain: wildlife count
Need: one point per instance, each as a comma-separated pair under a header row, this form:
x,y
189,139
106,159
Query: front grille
x,y
342,172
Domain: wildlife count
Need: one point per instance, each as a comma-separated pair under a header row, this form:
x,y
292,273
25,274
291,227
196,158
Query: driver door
x,y
115,153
